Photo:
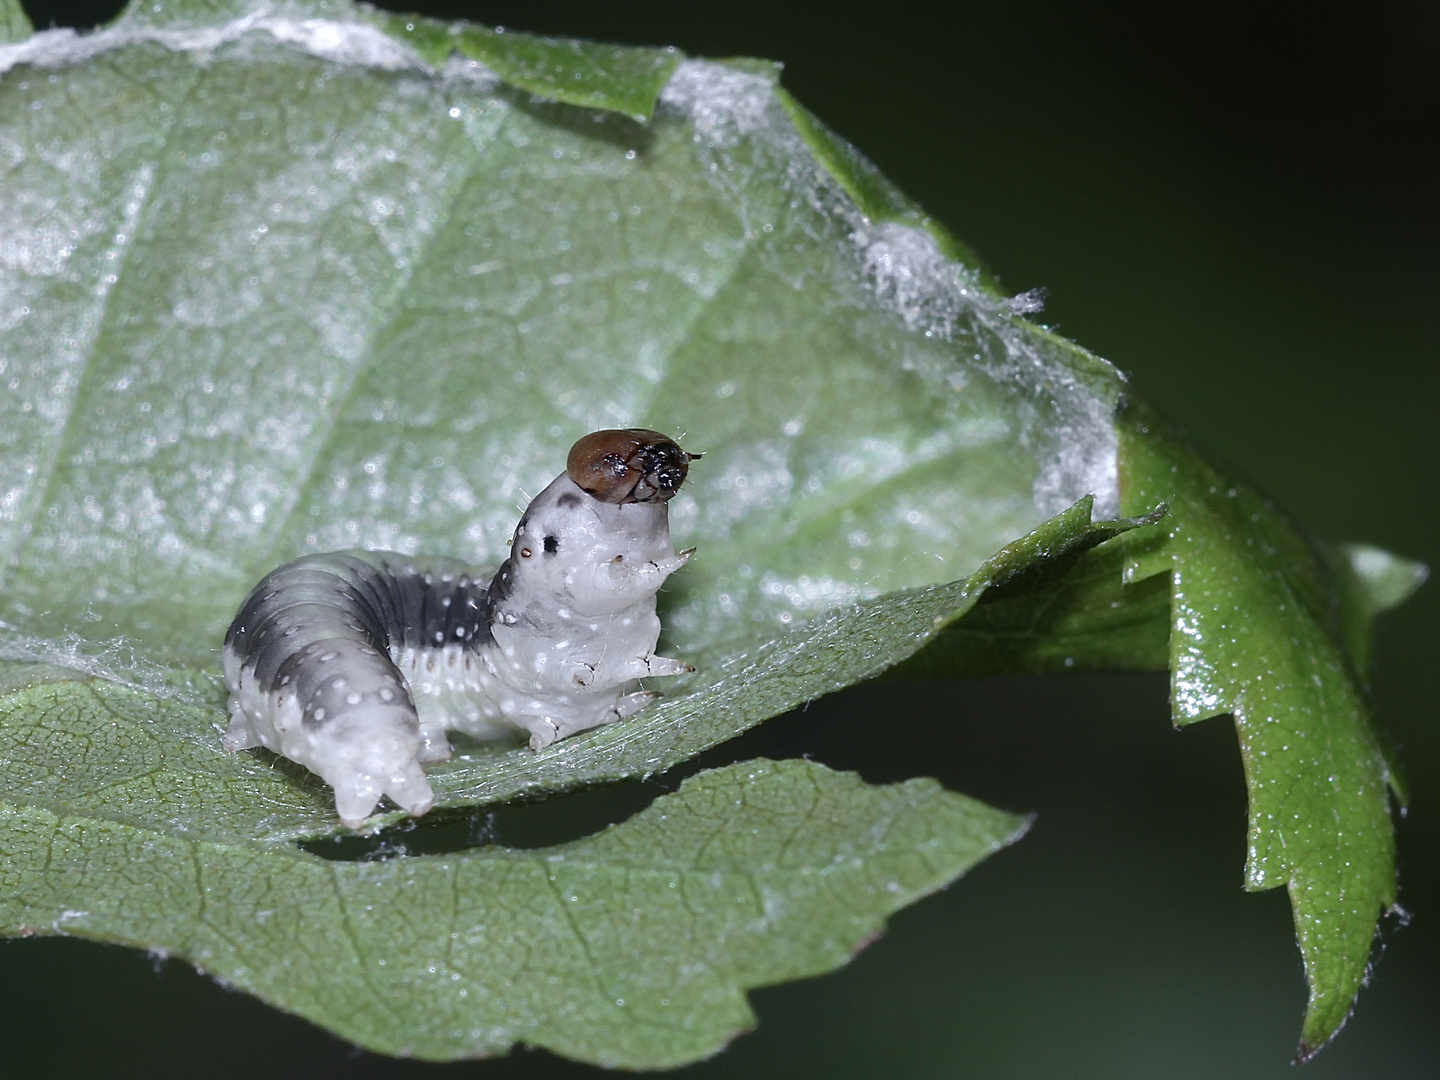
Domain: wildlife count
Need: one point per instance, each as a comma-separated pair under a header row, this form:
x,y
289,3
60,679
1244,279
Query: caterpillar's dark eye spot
x,y
552,545
525,553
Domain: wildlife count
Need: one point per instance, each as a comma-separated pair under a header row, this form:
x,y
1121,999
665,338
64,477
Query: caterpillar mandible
x,y
356,663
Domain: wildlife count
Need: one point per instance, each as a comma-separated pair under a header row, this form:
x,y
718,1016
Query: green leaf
x,y
875,196
296,289
619,77
294,317
631,948
1385,580
1366,581
14,26
1073,614
1250,637
284,279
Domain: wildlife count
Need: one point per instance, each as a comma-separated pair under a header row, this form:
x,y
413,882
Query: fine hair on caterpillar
x,y
355,664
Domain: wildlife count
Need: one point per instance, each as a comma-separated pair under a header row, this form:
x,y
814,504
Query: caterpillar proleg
x,y
356,663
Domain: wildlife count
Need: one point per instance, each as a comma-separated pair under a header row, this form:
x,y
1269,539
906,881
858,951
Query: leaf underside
x,y
335,277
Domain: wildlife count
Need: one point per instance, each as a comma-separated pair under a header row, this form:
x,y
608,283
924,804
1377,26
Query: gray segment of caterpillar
x,y
355,664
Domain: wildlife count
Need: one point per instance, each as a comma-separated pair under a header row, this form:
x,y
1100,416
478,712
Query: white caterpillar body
x,y
355,664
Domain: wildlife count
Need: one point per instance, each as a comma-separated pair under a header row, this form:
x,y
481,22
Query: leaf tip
x,y
1317,1035
1023,825
1388,580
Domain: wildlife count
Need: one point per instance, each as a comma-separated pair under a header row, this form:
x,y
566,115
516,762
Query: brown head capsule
x,y
629,465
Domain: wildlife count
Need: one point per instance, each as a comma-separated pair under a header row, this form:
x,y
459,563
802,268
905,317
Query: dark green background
x,y
1239,207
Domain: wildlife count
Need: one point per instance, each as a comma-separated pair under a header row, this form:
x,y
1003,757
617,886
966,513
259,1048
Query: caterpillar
x,y
355,664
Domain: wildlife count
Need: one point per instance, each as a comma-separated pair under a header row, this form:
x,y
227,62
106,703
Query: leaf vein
x,y
40,500
305,482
